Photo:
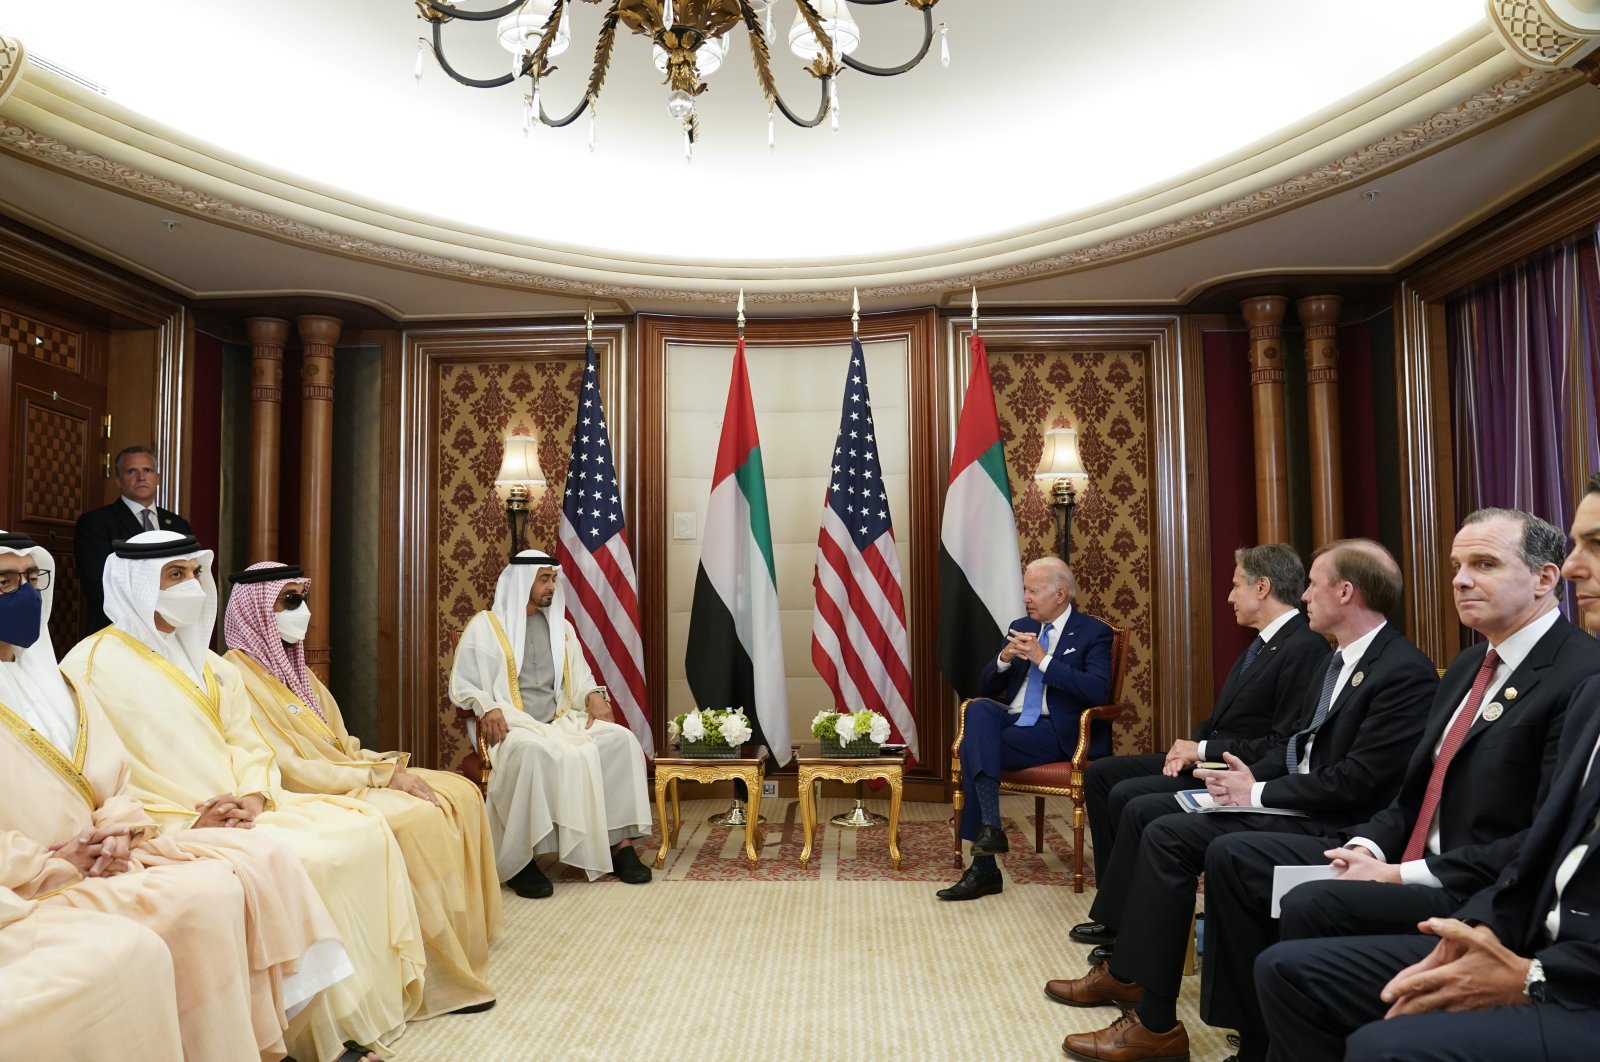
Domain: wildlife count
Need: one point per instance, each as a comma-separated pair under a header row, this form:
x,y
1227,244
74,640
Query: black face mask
x,y
20,612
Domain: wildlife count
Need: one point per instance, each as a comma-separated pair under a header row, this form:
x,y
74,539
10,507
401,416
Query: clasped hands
x,y
1469,969
1231,787
97,853
495,728
1022,644
228,810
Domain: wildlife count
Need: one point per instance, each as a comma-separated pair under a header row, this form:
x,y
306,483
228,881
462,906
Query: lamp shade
x,y
836,20
521,462
1061,455
521,31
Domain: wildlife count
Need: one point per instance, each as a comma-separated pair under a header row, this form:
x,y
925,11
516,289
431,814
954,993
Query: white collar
x,y
1515,649
136,509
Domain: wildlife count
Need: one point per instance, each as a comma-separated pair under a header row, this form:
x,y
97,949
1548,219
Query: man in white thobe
x,y
565,778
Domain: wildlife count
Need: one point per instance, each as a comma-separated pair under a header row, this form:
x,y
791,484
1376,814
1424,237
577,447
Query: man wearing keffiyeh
x,y
438,818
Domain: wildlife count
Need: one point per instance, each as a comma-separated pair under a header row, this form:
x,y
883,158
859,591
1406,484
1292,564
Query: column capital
x,y
270,332
1264,314
318,331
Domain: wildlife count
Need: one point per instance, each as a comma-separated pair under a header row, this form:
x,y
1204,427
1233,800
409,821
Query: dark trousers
x,y
1317,993
1152,921
1239,926
993,742
1110,783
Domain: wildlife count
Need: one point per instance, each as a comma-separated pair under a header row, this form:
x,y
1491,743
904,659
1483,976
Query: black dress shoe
x,y
1093,933
1101,953
475,1008
991,840
625,865
972,885
531,882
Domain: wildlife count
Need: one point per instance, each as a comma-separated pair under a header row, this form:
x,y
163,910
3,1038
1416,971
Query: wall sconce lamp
x,y
519,470
1062,463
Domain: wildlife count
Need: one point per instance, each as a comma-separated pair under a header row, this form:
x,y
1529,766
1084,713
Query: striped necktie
x,y
1330,679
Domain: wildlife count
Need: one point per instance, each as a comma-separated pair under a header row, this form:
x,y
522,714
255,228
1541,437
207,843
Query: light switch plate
x,y
769,789
683,526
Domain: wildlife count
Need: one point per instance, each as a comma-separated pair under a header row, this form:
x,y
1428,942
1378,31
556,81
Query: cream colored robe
x,y
448,854
188,746
236,912
559,786
66,990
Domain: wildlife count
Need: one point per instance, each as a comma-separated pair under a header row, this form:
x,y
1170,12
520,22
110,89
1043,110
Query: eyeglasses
x,y
293,601
11,582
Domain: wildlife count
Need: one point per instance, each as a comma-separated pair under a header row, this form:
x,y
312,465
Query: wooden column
x,y
267,336
1319,314
1264,315
317,337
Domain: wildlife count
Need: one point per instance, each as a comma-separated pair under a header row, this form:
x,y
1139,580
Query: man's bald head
x,y
1368,567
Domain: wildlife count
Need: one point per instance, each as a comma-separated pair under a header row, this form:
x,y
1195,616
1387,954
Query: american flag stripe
x,y
597,566
858,627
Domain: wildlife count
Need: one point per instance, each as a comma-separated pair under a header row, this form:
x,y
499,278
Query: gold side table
x,y
814,767
749,766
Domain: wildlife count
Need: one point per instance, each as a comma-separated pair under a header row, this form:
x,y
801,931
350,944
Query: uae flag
x,y
735,654
980,567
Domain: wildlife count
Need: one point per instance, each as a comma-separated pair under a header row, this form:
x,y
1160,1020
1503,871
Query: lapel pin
x,y
1510,693
1355,680
1492,712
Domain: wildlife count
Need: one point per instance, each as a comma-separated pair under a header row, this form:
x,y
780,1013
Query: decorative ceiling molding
x,y
1536,32
1410,143
11,63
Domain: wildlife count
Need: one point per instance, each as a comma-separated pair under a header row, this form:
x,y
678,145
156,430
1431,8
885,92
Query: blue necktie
x,y
1033,698
1250,654
1330,679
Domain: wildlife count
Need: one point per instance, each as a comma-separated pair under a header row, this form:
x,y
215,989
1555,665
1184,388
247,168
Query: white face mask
x,y
292,623
182,604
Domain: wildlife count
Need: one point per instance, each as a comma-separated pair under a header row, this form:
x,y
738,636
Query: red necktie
x,y
1447,752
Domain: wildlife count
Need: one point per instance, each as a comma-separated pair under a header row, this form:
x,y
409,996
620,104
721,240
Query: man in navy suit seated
x,y
1055,662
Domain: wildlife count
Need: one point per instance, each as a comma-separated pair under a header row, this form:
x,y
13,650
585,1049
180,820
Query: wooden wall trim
x,y
1176,397
928,467
1197,469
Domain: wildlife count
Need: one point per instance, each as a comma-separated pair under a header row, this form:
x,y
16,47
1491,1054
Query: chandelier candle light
x,y
690,40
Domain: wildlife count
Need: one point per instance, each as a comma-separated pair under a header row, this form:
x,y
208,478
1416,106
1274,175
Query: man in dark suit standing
x,y
1485,761
1360,724
1256,707
133,512
1055,662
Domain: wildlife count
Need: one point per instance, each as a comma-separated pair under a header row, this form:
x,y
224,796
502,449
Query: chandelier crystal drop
x,y
690,40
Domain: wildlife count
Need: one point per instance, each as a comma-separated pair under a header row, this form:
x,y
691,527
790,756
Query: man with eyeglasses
x,y
135,511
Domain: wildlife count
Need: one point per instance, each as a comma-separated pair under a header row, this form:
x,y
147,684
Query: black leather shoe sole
x,y
1092,933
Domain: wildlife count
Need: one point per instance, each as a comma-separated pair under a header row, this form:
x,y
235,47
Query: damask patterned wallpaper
x,y
1103,395
480,403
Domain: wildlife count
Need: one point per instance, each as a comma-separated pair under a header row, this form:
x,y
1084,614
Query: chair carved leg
x,y
1038,824
957,802
1077,830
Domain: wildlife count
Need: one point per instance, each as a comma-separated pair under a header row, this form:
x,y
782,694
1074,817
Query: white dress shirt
x,y
1054,626
137,509
1569,866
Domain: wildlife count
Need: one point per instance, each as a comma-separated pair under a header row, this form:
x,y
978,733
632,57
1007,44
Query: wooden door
x,y
56,436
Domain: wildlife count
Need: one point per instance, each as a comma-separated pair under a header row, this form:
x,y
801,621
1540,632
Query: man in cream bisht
x,y
237,918
565,778
198,760
438,818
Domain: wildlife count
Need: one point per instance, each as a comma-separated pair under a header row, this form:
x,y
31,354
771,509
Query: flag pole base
x,y
734,816
858,818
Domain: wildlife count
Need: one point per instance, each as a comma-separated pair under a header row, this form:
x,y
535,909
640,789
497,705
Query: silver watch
x,y
1533,986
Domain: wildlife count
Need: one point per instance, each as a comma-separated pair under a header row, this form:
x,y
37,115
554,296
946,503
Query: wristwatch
x,y
1533,986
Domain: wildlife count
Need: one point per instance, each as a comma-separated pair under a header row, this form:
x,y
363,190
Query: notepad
x,y
1200,800
1286,878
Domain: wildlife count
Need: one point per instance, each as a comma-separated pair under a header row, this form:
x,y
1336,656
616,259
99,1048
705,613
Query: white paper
x,y
1286,878
1200,800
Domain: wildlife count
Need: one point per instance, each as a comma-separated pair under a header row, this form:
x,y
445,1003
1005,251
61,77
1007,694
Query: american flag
x,y
858,631
602,590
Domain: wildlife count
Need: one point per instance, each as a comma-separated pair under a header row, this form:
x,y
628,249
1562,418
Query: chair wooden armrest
x,y
1101,712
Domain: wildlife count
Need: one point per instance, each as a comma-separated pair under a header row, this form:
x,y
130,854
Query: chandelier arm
x,y
568,119
891,71
762,58
547,36
444,64
602,51
471,16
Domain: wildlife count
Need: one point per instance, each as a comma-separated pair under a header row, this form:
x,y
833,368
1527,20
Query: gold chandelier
x,y
690,41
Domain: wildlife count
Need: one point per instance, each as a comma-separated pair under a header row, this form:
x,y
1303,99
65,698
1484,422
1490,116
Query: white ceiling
x,y
1059,127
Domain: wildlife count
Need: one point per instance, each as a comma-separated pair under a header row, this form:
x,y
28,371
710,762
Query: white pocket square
x,y
1069,650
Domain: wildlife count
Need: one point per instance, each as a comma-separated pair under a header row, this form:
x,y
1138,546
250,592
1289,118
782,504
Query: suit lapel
x,y
1368,660
1525,678
1454,694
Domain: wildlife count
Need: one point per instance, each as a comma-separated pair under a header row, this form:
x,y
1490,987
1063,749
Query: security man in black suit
x,y
135,511
1486,758
1515,975
1255,709
1342,766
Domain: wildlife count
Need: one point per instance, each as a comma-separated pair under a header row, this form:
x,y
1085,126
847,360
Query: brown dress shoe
x,y
1094,989
1127,1040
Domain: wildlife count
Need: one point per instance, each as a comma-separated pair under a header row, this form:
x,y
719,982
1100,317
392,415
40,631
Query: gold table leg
x,y
808,810
661,817
895,779
752,820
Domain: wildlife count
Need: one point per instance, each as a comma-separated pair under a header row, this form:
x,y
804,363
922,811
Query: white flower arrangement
x,y
715,727
848,726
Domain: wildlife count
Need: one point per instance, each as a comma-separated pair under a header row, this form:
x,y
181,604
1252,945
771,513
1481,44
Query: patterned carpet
x,y
847,959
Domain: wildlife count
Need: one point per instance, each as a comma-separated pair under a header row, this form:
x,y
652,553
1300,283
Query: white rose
x,y
845,727
672,731
735,731
693,728
880,729
820,716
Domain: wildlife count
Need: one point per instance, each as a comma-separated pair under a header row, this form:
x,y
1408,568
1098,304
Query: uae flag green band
x,y
980,567
735,653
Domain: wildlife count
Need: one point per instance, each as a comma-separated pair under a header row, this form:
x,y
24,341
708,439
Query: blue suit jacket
x,y
1077,676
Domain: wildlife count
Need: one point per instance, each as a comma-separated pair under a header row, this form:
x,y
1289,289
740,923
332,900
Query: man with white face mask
x,y
566,779
437,817
244,933
199,760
